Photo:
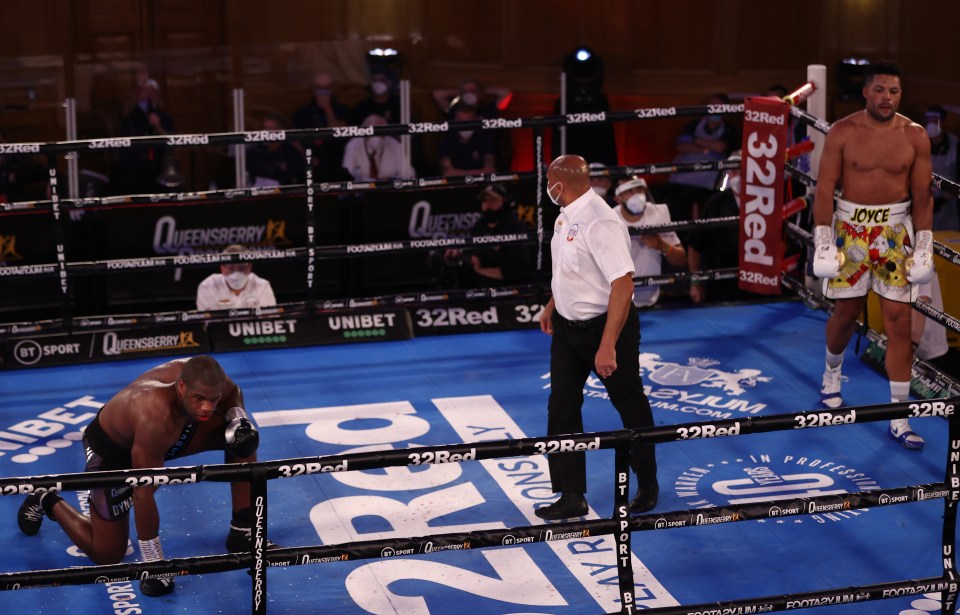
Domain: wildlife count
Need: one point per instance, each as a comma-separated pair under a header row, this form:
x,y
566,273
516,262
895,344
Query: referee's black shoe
x,y
646,498
569,505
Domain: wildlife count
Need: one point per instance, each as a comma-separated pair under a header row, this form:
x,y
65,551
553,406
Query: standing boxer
x,y
176,409
595,327
881,162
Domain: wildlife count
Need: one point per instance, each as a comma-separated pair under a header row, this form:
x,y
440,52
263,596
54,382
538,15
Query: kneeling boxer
x,y
180,408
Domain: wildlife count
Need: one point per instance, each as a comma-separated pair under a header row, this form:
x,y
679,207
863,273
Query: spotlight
x,y
380,52
583,54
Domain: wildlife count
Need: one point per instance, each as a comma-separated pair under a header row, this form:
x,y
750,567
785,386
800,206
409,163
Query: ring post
x,y
952,480
621,514
258,542
59,223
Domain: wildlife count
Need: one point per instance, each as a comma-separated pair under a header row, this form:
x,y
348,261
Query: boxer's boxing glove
x,y
241,437
827,260
919,265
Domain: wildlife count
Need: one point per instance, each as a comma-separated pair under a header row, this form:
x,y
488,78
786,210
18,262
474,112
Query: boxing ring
x,y
438,395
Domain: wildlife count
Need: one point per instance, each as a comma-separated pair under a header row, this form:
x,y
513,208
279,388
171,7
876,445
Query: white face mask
x,y
555,199
466,134
933,129
379,88
600,190
236,280
637,203
469,98
734,184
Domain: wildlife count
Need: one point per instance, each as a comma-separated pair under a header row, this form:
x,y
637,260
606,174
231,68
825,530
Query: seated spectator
x,y
602,184
944,154
708,138
323,111
466,152
492,265
376,157
235,287
383,99
138,169
637,209
489,102
275,163
717,248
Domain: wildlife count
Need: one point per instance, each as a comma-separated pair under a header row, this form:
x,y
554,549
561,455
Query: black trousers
x,y
572,353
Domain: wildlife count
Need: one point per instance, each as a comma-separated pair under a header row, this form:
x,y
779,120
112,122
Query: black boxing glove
x,y
240,436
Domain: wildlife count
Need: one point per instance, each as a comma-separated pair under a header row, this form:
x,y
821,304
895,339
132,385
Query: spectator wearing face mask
x,y
383,99
490,102
943,155
601,183
376,157
235,287
716,248
636,208
323,110
707,139
492,264
138,169
466,152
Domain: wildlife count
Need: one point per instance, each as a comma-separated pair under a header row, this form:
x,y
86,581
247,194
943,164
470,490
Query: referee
x,y
594,327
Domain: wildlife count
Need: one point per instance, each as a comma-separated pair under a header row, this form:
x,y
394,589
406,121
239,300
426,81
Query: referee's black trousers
x,y
572,353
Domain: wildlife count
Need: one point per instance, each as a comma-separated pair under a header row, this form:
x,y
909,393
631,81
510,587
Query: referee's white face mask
x,y
555,199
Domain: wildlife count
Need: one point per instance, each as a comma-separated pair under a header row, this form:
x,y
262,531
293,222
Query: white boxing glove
x,y
920,264
827,261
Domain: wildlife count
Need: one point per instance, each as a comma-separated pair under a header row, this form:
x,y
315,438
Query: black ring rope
x,y
259,559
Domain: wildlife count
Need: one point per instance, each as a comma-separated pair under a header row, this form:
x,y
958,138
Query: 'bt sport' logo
x,y
761,477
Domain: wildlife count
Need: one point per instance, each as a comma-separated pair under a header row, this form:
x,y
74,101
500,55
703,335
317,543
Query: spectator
x,y
601,183
709,138
138,169
943,154
493,265
637,209
466,152
236,286
715,248
323,111
383,99
275,163
376,157
490,103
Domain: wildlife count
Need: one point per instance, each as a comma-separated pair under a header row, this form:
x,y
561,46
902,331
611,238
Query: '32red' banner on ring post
x,y
761,196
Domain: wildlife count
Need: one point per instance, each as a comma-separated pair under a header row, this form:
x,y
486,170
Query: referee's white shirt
x,y
590,249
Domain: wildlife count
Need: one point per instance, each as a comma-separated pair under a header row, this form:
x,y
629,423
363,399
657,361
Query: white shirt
x,y
648,261
390,161
590,249
214,294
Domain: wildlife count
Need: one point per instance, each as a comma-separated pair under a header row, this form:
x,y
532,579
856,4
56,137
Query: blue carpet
x,y
699,364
